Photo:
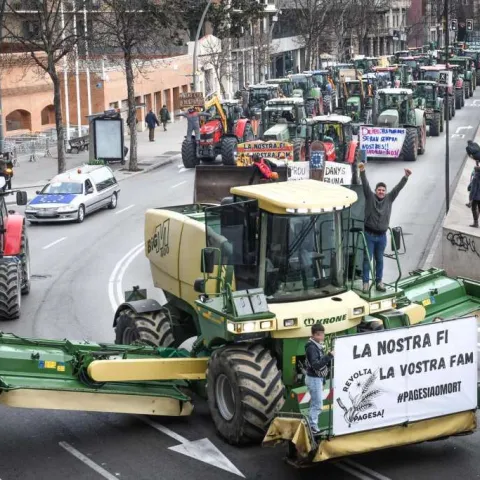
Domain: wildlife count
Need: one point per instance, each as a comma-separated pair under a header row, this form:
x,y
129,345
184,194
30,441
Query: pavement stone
x,y
31,176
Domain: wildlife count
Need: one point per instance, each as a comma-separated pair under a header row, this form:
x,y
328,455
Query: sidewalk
x,y
31,176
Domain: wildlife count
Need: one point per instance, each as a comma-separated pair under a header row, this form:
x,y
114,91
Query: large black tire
x,y
442,120
152,328
10,288
466,88
299,151
25,262
189,153
458,99
228,150
410,145
310,108
463,99
327,104
435,125
420,137
452,107
245,391
472,88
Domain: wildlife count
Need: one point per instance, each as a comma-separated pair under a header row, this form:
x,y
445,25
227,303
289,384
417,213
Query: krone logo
x,y
308,322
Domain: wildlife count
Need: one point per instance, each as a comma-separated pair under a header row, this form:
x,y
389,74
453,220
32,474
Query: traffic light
x,y
469,25
453,24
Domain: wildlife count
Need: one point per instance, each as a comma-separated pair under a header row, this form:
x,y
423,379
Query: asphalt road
x,y
79,271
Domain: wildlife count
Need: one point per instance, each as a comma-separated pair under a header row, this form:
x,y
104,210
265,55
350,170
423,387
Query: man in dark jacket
x,y
475,196
164,117
152,121
378,208
316,370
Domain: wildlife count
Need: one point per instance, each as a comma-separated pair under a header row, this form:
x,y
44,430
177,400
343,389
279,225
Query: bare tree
x,y
137,33
45,32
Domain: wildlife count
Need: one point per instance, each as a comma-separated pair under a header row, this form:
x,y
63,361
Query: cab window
x,y
88,185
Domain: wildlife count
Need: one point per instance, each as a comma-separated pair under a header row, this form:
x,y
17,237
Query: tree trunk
x,y
57,103
131,119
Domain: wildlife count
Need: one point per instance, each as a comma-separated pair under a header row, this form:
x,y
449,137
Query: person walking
x,y
316,363
378,209
164,117
152,121
475,196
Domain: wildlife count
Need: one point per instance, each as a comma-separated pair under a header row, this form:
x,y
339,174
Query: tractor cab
x,y
258,96
395,107
425,93
304,86
285,86
365,64
282,117
398,74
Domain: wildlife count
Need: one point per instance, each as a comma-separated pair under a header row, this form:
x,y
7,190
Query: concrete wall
x,y
460,243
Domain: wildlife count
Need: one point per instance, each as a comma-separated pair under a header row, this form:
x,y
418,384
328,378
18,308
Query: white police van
x,y
72,195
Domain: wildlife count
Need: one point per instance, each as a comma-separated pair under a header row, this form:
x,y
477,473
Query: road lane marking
x,y
113,277
202,450
101,471
351,471
54,243
364,469
182,169
178,184
124,209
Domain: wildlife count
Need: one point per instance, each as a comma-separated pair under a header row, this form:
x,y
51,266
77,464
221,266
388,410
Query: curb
x,y
434,238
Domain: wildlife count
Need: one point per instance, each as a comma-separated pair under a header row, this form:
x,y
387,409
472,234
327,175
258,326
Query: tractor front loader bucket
x,y
213,182
66,375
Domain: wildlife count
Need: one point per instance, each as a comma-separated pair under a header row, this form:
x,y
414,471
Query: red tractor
x,y
219,135
14,256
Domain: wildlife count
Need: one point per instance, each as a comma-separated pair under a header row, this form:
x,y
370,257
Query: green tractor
x,y
323,80
396,110
359,103
427,97
474,54
284,85
304,86
433,73
466,72
365,64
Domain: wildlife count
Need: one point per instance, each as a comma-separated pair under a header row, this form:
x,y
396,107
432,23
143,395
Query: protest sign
x,y
338,173
382,142
274,149
404,375
299,170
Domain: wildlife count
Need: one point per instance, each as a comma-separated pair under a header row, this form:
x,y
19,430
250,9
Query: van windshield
x,y
62,188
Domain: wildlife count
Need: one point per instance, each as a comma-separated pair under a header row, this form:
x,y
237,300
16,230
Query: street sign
x,y
191,99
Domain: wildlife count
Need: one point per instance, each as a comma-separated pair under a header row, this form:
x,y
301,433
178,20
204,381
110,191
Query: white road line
x,y
122,271
111,281
178,184
163,429
101,471
54,243
124,209
351,471
372,473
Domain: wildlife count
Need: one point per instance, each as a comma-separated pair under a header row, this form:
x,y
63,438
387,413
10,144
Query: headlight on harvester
x,y
358,311
248,327
290,322
231,327
266,325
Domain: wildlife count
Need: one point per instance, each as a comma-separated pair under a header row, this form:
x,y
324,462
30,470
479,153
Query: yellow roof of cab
x,y
301,196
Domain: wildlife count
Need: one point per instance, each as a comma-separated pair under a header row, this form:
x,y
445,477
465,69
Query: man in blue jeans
x,y
316,363
378,208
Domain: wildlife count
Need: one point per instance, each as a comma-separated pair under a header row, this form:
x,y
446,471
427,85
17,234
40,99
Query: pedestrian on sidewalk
x,y
378,209
152,121
316,365
164,117
475,196
473,151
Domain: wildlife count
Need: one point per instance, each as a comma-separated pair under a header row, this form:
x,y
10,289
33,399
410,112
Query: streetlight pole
x,y
195,48
447,125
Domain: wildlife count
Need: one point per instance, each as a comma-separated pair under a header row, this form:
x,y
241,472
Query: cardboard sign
x,y
382,142
337,173
275,149
191,99
299,170
402,375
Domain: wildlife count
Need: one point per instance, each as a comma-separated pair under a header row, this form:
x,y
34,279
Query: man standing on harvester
x,y
378,208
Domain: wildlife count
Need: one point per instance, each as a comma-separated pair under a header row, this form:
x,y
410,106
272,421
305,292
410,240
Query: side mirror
x,y
38,192
89,190
22,198
208,260
199,285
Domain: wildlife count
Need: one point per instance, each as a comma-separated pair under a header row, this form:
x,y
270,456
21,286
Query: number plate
x,y
45,214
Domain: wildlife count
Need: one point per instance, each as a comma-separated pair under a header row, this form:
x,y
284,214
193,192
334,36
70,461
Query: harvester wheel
x,y
299,151
435,125
150,328
410,145
25,261
245,390
189,154
10,288
458,99
229,150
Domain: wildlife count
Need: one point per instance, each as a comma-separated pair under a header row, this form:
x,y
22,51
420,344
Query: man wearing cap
x,y
378,208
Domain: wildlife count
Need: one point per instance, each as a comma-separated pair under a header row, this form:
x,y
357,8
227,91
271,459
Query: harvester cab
x,y
14,252
304,86
427,97
219,135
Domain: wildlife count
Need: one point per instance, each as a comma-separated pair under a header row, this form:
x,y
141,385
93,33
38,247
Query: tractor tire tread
x,y
189,154
10,283
227,150
409,149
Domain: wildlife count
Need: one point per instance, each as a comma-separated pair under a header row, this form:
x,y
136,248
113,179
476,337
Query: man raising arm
x,y
378,209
